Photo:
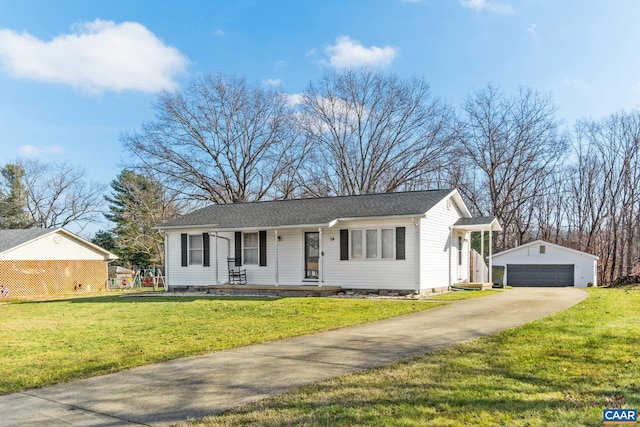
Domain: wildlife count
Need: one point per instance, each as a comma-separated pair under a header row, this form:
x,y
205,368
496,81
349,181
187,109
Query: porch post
x,y
490,255
320,256
215,251
482,247
276,234
450,255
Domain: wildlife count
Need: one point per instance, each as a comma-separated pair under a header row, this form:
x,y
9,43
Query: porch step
x,y
273,291
474,285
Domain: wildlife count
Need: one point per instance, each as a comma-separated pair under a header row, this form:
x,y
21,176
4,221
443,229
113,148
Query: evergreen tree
x,y
13,199
137,204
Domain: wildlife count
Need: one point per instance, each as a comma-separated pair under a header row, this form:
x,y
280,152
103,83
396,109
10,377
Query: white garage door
x,y
540,274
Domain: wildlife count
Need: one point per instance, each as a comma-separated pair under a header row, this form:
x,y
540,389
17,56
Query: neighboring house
x,y
46,262
408,241
542,263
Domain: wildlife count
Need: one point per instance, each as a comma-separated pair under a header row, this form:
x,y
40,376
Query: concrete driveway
x,y
166,393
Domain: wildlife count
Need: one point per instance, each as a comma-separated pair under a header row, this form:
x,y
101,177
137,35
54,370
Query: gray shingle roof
x,y
12,238
281,213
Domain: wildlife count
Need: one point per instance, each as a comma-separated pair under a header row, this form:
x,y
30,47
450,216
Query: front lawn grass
x,y
562,370
43,343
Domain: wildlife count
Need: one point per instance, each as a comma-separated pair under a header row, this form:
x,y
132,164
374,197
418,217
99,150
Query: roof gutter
x,y
330,224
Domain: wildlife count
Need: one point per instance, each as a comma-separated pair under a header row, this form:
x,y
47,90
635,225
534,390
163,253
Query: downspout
x,y
418,256
277,269
166,262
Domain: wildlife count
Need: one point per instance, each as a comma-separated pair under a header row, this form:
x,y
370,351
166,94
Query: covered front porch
x,y
480,248
268,257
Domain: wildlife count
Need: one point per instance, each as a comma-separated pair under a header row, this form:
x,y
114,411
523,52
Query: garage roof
x,y
542,242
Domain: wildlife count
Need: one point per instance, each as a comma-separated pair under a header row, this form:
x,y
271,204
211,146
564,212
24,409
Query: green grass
x,y
562,370
43,343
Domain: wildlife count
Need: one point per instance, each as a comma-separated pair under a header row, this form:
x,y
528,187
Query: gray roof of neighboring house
x,y
281,213
12,238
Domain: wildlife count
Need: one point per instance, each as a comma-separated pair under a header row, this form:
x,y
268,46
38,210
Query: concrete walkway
x,y
166,393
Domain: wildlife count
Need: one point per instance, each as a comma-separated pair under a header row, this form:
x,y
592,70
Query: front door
x,y
311,255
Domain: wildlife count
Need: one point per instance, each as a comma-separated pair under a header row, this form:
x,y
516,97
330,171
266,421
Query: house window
x,y
387,242
459,250
251,248
356,244
195,249
543,249
372,244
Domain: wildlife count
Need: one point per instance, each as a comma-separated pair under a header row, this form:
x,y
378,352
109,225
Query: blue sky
x,y
74,75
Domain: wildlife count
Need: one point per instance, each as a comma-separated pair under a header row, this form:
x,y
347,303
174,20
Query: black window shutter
x,y
344,245
238,255
205,250
400,243
262,238
184,250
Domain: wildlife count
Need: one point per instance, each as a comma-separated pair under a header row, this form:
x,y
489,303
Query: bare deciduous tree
x,y
221,140
59,194
373,132
508,147
612,164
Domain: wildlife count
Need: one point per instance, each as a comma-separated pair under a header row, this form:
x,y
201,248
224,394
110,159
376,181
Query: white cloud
x,y
532,30
350,53
294,99
35,151
96,56
273,82
498,7
575,83
219,32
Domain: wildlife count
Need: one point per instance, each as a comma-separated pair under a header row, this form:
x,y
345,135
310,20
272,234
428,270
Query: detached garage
x,y
546,264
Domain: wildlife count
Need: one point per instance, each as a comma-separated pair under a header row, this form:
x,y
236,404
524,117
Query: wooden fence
x,y
41,279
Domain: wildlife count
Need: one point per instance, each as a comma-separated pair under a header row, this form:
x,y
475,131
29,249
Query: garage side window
x,y
543,249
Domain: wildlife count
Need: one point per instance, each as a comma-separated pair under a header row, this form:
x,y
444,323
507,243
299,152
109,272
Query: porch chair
x,y
236,275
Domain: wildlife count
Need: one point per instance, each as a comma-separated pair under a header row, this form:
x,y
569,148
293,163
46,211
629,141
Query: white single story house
x,y
407,241
45,262
542,263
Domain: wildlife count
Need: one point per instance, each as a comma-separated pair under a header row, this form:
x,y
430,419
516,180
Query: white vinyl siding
x,y
438,251
197,274
54,246
363,273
